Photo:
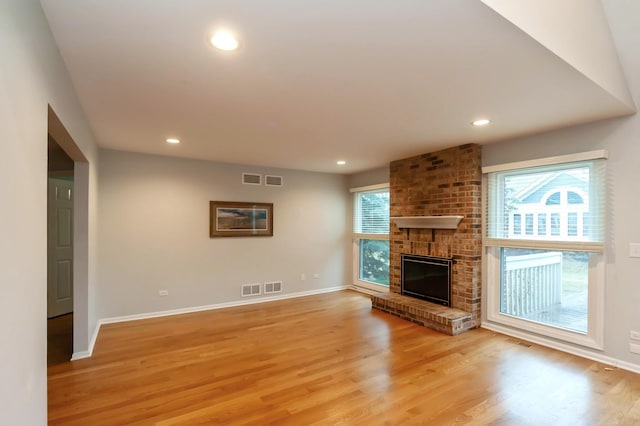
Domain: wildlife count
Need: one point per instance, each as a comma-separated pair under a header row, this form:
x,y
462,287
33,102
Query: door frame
x,y
62,137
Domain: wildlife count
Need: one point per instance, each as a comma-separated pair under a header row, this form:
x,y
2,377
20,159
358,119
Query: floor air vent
x,y
250,290
251,179
519,343
270,180
273,287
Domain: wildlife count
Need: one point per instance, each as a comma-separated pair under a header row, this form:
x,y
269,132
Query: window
x,y
517,227
529,221
548,277
542,224
371,236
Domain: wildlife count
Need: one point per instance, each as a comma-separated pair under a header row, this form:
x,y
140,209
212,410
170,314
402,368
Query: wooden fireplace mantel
x,y
432,222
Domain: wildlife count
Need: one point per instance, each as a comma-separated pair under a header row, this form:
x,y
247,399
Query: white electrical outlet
x,y
634,348
316,276
163,292
303,277
634,249
634,335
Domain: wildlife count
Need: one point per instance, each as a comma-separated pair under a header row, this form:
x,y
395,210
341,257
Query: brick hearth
x,y
440,318
447,182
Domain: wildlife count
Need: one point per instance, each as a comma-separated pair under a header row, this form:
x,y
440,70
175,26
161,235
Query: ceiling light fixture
x,y
173,140
224,40
341,162
481,122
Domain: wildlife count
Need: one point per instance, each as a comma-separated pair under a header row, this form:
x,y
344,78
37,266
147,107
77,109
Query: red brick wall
x,y
446,182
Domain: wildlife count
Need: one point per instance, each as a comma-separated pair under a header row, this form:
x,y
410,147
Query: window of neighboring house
x,y
542,224
371,236
529,222
517,224
550,278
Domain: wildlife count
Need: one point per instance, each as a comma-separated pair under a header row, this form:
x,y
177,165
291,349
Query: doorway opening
x,y
67,246
60,196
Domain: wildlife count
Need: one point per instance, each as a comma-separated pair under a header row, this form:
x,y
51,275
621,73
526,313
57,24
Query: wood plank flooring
x,y
329,359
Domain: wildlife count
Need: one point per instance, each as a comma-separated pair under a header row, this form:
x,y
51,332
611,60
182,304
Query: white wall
x,y
576,31
369,177
621,138
32,75
154,233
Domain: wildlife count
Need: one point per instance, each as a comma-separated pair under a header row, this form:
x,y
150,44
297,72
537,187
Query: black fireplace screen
x,y
427,278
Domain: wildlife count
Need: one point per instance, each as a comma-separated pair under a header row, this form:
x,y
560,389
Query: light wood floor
x,y
329,359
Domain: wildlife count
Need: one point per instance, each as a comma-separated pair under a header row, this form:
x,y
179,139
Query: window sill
x,y
371,287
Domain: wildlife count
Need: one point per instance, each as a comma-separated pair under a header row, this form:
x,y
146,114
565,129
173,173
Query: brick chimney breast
x,y
446,182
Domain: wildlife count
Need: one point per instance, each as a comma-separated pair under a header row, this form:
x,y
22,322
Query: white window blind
x,y
550,206
371,212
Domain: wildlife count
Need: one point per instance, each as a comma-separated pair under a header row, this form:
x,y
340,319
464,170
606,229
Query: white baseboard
x,y
629,366
92,343
217,306
81,355
112,320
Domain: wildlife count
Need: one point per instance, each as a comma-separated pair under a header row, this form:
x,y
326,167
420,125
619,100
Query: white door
x,y
60,247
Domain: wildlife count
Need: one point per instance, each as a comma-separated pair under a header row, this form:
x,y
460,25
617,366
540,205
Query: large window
x,y
371,236
544,246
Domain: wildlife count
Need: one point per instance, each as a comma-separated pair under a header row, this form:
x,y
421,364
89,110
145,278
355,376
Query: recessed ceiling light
x,y
481,122
173,140
341,162
224,40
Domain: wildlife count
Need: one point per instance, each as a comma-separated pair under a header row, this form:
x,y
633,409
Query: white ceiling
x,y
315,81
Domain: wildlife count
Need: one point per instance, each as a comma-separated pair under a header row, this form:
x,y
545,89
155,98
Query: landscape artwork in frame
x,y
239,219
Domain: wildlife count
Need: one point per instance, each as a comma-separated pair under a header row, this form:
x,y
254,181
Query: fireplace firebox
x,y
427,278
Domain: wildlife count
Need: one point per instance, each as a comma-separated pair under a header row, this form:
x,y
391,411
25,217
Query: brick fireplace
x,y
443,183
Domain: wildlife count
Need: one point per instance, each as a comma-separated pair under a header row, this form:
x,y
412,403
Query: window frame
x,y
357,237
594,338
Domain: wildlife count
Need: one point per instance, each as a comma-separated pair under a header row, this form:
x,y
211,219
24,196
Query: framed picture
x,y
237,219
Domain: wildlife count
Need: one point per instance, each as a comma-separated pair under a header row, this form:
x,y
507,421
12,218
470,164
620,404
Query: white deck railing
x,y
531,283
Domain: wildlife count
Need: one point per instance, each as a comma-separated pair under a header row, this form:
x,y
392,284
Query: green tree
x,y
374,258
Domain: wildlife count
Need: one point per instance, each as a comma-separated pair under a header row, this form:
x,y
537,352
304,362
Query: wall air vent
x,y
251,179
250,290
273,287
270,180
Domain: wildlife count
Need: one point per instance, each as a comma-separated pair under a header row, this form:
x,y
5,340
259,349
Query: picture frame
x,y
240,219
